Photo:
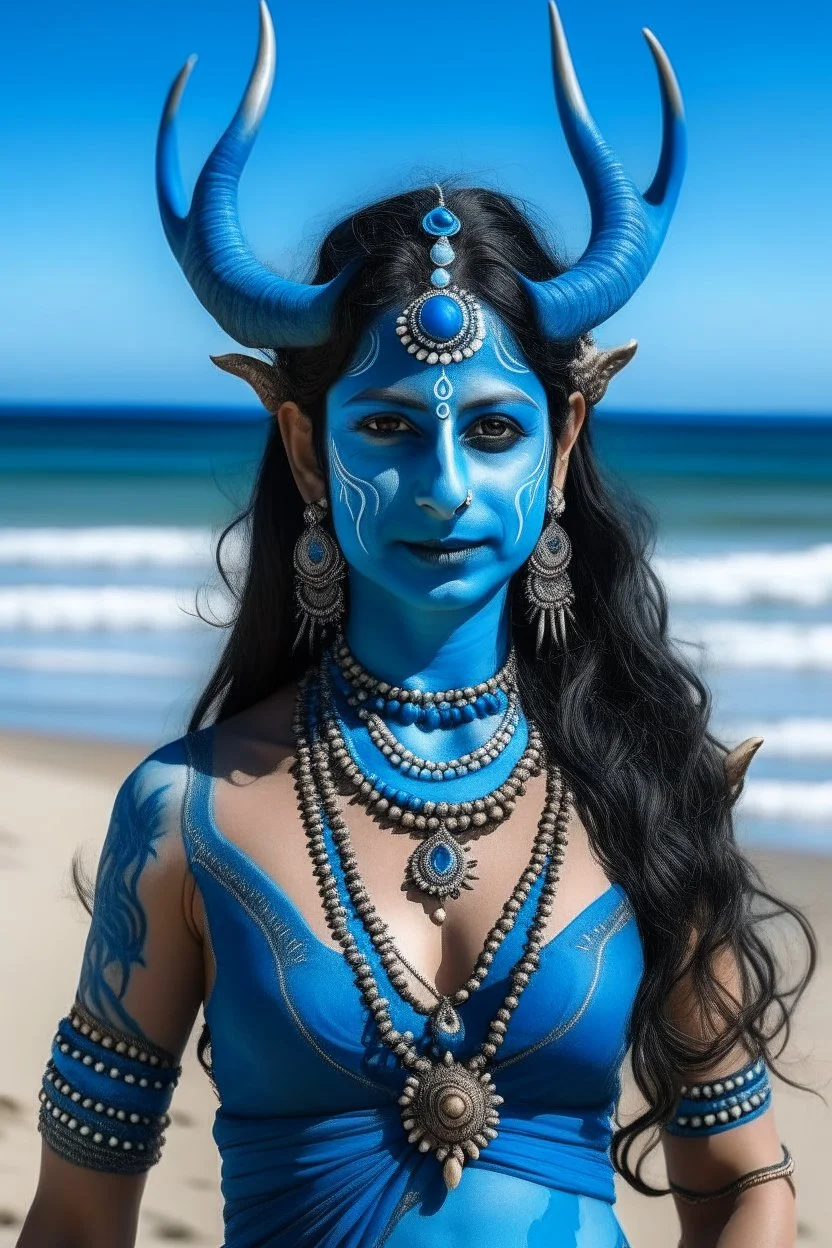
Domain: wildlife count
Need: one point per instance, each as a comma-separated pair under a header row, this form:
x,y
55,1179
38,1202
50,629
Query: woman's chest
x,y
261,820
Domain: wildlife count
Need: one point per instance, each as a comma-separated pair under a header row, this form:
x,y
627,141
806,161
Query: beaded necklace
x,y
441,866
435,710
448,1107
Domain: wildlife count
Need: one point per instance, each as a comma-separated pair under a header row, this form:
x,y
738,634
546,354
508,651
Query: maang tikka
x,y
548,587
319,574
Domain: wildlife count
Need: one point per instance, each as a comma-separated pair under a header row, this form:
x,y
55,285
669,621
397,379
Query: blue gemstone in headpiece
x,y
442,253
441,222
440,278
441,318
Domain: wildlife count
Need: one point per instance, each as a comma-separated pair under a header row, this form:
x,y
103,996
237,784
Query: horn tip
x,y
666,71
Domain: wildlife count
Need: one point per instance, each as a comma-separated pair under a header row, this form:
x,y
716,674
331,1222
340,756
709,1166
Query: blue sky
x,y
372,97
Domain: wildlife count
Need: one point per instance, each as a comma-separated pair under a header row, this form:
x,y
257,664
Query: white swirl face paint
x,y
504,355
368,356
350,484
527,491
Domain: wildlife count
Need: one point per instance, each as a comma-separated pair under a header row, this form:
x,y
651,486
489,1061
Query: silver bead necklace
x,y
448,1107
366,686
440,866
414,765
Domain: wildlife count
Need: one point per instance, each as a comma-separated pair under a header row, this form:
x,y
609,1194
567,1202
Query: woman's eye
x,y
493,433
384,424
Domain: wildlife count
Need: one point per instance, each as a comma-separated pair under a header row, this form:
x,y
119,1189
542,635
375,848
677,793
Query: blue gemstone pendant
x,y
440,866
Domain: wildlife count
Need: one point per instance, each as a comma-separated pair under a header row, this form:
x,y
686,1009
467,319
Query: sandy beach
x,y
56,797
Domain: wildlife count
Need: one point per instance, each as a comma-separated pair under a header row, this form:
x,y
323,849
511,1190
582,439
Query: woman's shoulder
x,y
265,727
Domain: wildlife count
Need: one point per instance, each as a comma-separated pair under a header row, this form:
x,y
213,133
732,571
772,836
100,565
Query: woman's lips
x,y
448,550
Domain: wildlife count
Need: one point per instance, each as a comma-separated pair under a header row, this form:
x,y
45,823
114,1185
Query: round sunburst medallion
x,y
450,1111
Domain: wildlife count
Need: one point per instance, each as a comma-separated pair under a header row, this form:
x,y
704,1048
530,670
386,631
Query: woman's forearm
x,y
764,1216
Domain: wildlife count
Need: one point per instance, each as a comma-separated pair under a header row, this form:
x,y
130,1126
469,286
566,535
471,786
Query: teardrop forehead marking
x,y
443,390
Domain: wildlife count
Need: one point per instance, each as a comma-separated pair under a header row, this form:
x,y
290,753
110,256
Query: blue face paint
x,y
408,442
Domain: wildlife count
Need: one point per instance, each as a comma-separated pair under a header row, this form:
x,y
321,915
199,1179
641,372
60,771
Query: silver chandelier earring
x,y
319,574
548,587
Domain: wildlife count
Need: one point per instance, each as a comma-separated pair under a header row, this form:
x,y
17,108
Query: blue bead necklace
x,y
428,709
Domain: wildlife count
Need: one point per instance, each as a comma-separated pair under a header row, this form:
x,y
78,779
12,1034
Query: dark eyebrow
x,y
401,398
494,398
406,398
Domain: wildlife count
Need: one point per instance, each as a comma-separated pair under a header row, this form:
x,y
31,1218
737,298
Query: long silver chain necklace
x,y
445,1022
441,865
448,1107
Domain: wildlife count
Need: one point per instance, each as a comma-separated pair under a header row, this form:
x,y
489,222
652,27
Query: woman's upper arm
x,y
142,965
723,1127
115,1056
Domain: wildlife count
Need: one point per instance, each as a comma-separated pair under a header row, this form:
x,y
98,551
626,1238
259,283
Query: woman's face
x,y
408,442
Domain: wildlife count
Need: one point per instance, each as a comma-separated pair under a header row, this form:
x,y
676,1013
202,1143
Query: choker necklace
x,y
440,866
445,709
448,1107
411,764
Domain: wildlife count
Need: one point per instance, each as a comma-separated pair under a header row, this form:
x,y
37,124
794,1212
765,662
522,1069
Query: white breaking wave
x,y
788,800
95,662
107,547
802,577
737,643
783,738
61,608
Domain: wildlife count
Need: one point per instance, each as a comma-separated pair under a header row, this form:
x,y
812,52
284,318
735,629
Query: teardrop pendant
x,y
446,1024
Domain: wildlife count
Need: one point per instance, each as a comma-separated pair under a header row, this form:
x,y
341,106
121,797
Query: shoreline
x,y
57,797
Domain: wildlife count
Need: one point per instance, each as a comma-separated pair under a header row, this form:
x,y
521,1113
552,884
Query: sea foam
x,y
743,644
802,577
788,800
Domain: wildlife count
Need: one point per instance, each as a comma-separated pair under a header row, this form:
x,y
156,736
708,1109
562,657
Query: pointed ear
x,y
613,360
596,368
258,373
736,764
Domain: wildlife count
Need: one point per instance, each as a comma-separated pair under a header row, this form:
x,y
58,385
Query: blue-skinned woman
x,y
448,835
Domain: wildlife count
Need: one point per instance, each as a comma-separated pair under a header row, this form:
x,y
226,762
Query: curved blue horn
x,y
250,302
628,228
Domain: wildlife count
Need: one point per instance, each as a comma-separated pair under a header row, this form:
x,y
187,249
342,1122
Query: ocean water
x,y
108,519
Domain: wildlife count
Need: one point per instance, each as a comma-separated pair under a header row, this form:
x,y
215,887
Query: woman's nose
x,y
444,488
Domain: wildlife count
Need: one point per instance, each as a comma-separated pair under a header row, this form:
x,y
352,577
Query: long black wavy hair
x,y
621,711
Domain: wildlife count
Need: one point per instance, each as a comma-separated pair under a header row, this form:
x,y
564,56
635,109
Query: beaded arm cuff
x,y
709,1108
105,1096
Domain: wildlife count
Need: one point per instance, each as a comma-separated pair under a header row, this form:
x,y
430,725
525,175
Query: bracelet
x,y
766,1174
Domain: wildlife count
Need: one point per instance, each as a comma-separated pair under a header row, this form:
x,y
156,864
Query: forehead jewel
x,y
445,323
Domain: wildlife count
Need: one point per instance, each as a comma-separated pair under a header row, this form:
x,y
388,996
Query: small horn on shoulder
x,y
737,762
259,374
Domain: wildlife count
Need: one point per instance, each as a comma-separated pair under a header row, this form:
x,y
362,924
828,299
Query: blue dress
x,y
309,1129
